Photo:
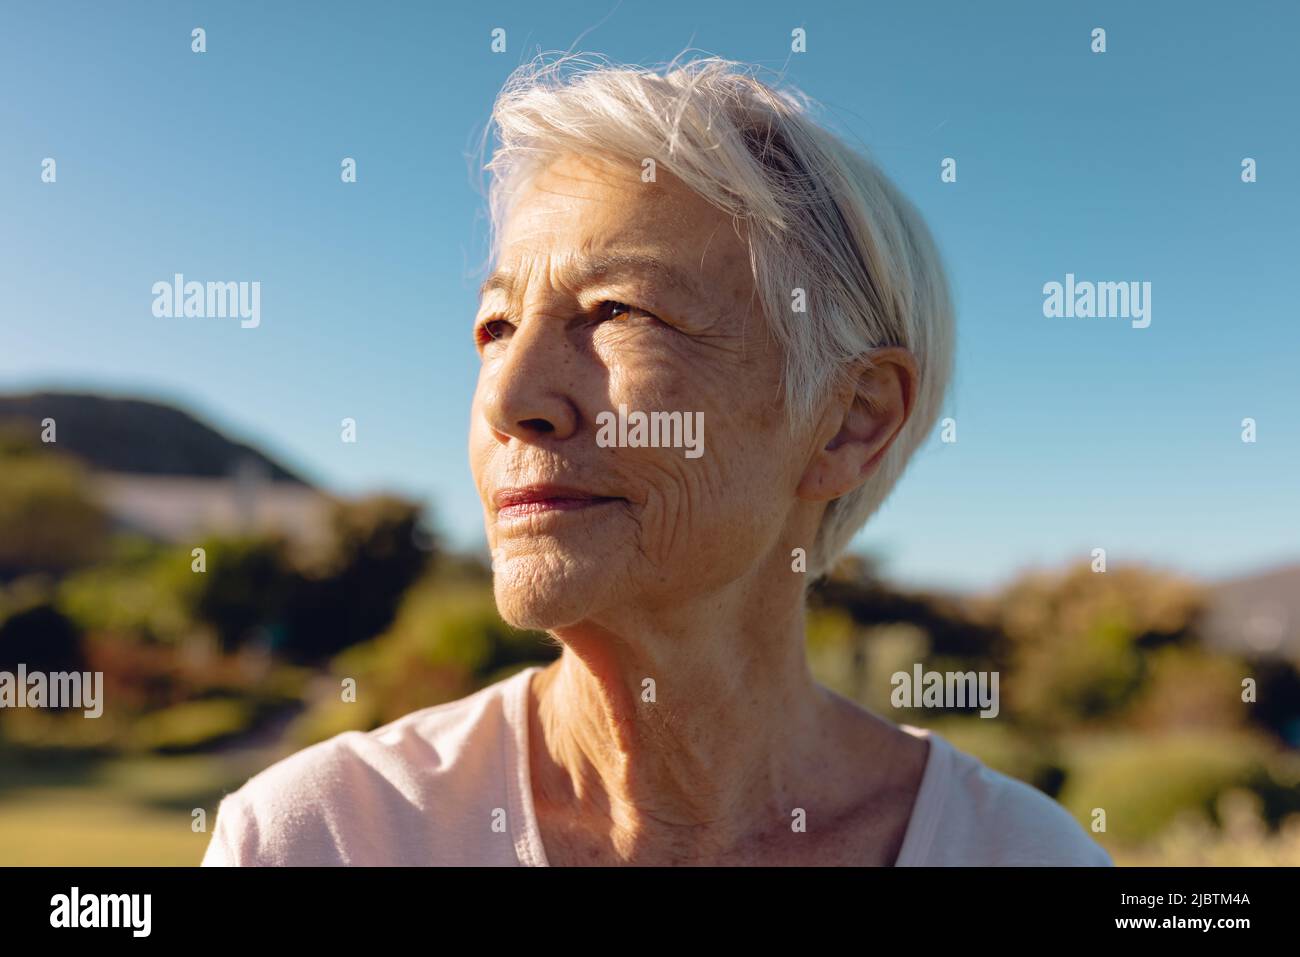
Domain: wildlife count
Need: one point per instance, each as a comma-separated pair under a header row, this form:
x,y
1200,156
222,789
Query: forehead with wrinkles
x,y
583,222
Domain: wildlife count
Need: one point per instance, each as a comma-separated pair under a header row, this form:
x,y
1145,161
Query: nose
x,y
529,395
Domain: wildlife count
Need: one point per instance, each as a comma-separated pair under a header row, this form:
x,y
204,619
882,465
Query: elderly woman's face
x,y
617,299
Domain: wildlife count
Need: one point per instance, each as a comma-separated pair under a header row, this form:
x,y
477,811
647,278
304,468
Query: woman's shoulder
x,y
403,793
968,814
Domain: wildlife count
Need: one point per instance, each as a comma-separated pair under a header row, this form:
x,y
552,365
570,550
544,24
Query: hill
x,y
139,437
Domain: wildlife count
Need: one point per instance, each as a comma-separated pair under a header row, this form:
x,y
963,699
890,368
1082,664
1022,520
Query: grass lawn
x,y
125,812
83,827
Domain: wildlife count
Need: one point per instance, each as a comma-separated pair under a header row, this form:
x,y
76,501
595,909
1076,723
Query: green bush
x,y
192,725
49,520
244,589
145,596
350,592
1143,781
445,642
1077,641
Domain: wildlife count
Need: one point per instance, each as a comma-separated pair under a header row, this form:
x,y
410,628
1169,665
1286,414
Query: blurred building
x,y
181,509
1257,614
164,473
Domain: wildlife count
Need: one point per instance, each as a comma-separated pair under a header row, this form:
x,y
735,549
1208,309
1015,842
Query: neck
x,y
688,735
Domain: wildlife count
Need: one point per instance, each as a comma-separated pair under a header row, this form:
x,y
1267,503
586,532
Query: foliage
x,y
34,633
1077,642
49,521
351,593
140,594
192,725
1143,780
446,640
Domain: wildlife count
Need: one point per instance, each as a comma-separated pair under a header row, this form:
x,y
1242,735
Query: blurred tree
x,y
137,593
1077,640
49,521
245,586
1277,697
446,641
35,634
351,592
871,602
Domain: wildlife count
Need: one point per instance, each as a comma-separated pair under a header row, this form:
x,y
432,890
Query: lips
x,y
541,499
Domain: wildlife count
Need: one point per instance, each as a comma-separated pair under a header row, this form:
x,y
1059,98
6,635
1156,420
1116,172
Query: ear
x,y
862,423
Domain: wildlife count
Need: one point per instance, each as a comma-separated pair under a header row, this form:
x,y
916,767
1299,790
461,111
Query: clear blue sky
x,y
1072,433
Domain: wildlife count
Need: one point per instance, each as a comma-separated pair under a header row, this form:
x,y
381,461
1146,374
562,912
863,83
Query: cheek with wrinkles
x,y
480,452
687,501
683,502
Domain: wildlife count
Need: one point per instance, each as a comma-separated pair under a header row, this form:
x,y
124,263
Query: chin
x,y
544,592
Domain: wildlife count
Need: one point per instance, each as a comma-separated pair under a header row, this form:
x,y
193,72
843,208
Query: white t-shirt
x,y
449,785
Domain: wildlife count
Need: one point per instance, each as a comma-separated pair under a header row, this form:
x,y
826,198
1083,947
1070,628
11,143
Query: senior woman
x,y
713,337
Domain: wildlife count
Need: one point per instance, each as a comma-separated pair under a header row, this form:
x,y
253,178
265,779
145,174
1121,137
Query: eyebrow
x,y
592,269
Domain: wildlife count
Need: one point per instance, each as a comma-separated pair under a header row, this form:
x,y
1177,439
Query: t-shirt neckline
x,y
927,809
524,829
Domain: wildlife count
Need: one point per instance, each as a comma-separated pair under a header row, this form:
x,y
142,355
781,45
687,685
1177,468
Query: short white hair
x,y
818,215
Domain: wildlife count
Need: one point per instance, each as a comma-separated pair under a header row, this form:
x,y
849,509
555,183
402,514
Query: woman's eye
x,y
612,309
492,330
